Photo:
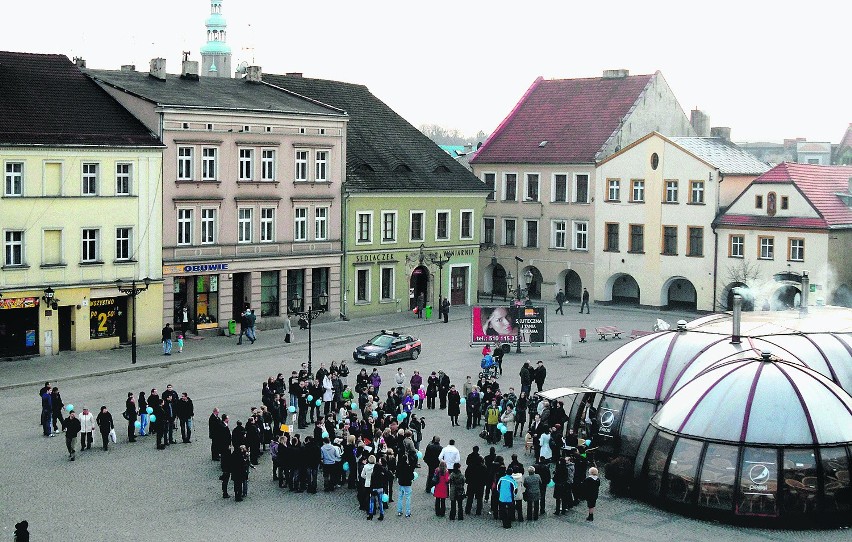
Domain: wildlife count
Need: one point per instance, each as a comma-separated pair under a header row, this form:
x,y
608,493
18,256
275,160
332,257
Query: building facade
x,y
251,183
540,167
410,210
81,208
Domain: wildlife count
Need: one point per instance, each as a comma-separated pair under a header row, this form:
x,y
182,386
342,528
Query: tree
x,y
445,136
742,277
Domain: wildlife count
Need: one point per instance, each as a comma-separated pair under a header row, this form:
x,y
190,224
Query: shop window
x,y
207,300
269,288
758,483
657,458
295,285
799,482
718,473
682,467
633,426
835,471
319,286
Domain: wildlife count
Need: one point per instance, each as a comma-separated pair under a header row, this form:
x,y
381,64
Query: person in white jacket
x,y
327,393
399,378
87,428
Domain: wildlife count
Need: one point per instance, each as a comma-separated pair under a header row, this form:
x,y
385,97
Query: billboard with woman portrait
x,y
502,324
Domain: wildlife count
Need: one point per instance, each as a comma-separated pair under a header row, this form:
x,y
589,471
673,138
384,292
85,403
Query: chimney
x,y
80,62
254,74
128,67
806,288
189,69
738,317
158,69
700,122
615,74
722,132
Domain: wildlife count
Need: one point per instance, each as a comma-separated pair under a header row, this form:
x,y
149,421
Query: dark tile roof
x,y
722,154
211,93
46,100
574,116
383,150
820,185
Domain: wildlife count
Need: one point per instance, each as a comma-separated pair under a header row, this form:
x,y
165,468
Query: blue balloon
x,y
503,430
400,417
416,476
551,483
463,400
69,407
385,498
419,456
153,418
325,434
346,467
318,402
310,398
355,405
291,409
149,410
404,415
588,442
375,415
137,424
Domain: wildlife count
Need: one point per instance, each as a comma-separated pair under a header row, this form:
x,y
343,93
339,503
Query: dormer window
x,y
322,131
246,128
301,130
209,127
402,168
185,126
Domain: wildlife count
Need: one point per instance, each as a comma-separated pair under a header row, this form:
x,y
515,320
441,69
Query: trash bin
x,y
428,311
232,327
567,346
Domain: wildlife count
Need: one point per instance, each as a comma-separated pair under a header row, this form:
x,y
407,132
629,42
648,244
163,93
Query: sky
x,y
767,70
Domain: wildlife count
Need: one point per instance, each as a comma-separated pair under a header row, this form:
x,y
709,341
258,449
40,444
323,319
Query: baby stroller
x,y
489,367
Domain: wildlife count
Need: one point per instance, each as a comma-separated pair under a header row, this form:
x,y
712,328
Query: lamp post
x,y
309,315
440,262
518,291
133,290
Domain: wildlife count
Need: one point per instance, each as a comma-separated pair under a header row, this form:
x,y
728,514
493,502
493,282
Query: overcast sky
x,y
768,70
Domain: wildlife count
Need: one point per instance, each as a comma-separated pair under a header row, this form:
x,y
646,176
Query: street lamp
x,y
309,316
133,290
440,262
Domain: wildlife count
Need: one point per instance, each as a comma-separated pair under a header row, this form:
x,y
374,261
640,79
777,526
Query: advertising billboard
x,y
503,323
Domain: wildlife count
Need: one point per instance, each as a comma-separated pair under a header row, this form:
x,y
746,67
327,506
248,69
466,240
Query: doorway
x,y
458,286
419,283
65,325
239,299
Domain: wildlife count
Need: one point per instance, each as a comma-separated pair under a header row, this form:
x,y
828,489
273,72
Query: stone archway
x,y
534,285
622,289
786,296
572,285
679,293
497,276
418,283
743,290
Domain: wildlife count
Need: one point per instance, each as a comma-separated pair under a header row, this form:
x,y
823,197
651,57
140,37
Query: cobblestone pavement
x,y
136,491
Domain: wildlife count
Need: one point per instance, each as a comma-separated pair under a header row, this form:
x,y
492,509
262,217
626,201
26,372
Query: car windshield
x,y
381,340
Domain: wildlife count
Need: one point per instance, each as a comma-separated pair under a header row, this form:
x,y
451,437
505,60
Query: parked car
x,y
387,346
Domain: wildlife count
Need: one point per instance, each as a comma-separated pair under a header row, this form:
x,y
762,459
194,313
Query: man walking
x,y
72,429
539,374
244,326
585,302
560,299
252,320
87,428
167,340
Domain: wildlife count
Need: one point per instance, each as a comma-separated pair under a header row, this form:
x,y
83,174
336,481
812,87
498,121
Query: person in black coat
x,y
72,430
239,472
159,426
252,441
238,436
214,424
454,405
130,415
57,404
475,475
226,470
185,413
105,424
539,375
591,487
443,388
431,390
433,450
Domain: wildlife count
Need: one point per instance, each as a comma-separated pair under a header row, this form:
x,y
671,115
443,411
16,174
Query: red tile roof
x,y
574,116
820,185
764,221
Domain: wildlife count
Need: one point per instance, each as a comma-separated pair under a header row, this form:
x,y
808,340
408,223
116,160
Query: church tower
x,y
216,53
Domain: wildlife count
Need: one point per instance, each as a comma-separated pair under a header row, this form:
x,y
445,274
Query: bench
x,y
605,331
636,333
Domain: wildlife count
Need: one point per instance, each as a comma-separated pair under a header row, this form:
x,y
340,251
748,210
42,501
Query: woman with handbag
x,y
106,425
441,489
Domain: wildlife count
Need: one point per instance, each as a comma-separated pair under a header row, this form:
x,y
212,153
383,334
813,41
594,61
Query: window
x,y
531,233
581,188
185,165
614,190
785,202
466,227
509,232
797,250
246,164
122,244
267,165
208,226
442,225
91,248
670,240
766,248
557,239
611,231
300,227
758,202
122,179
90,179
490,180
560,188
267,224
14,179
736,244
637,190
321,173
510,190
531,187
581,235
184,227
209,167
244,225
301,165
365,235
696,192
696,241
319,286
388,226
671,191
417,225
363,286
14,246
386,286
269,290
637,238
321,223
488,231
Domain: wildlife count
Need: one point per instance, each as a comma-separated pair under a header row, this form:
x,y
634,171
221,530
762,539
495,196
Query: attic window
x,y
246,128
442,169
269,128
365,167
301,130
402,168
185,126
322,131
655,161
210,127
543,143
